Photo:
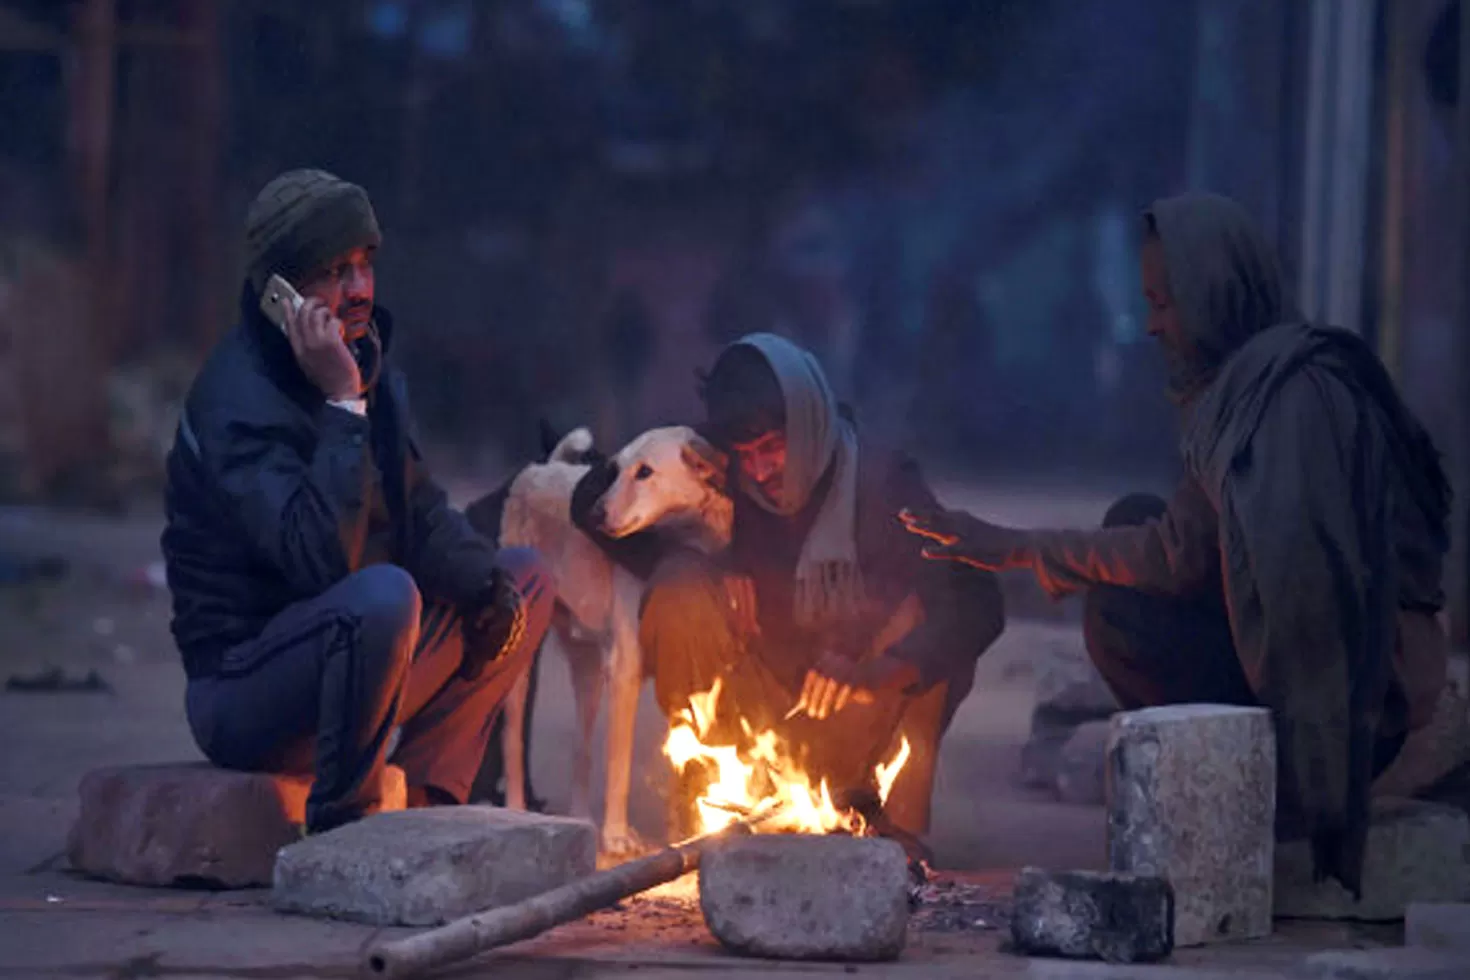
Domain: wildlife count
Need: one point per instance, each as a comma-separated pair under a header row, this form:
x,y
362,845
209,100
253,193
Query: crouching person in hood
x,y
822,622
1298,565
325,594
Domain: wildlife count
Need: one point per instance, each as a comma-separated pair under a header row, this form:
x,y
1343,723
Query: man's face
x,y
763,461
345,285
1164,322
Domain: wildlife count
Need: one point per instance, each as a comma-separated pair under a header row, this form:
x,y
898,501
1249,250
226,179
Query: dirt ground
x,y
104,615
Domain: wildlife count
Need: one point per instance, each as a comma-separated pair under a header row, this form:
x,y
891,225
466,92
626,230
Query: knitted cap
x,y
302,220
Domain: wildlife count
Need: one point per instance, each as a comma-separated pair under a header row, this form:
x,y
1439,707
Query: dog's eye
x,y
643,472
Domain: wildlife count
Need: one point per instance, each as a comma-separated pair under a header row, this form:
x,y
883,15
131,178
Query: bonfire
x,y
763,778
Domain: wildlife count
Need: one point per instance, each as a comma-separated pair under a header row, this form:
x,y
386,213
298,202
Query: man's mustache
x,y
356,310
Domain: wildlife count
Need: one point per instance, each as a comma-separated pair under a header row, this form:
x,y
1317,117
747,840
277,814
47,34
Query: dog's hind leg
x,y
625,681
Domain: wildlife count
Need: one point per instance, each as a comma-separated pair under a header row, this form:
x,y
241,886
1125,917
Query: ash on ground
x,y
948,905
941,905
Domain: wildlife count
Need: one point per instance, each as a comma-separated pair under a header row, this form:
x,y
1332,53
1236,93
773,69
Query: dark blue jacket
x,y
268,493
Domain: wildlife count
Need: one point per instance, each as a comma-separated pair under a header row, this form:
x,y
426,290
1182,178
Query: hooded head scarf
x,y
819,439
1224,279
1332,508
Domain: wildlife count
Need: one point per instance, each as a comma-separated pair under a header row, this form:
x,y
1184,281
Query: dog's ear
x,y
701,456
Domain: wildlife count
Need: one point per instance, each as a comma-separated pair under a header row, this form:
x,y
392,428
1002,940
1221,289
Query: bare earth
x,y
53,923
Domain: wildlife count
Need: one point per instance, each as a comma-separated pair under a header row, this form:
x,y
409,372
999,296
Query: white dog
x,y
670,481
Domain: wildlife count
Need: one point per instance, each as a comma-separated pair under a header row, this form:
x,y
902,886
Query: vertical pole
x,y
205,107
86,439
1400,59
1319,47
1336,191
1460,598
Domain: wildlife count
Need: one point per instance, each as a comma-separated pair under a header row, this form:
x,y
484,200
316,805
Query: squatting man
x,y
325,595
1298,565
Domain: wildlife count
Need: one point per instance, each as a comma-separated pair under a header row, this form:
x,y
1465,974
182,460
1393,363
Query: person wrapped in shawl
x,y
821,622
1298,565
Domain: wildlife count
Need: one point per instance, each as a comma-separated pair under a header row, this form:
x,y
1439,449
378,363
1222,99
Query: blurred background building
x,y
583,199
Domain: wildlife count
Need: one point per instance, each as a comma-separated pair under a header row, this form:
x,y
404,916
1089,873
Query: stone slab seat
x,y
190,824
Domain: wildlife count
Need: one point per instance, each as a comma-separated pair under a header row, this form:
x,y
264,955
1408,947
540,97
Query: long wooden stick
x,y
483,931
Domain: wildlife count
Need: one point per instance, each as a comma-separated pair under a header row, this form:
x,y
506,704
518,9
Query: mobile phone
x,y
277,297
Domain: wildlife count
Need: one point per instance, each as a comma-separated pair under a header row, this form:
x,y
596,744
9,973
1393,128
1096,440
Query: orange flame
x,y
763,778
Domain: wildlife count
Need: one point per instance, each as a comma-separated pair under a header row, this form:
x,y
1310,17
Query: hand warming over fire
x,y
958,536
837,680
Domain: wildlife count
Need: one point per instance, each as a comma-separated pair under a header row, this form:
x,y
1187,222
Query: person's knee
x,y
1135,509
386,604
1109,615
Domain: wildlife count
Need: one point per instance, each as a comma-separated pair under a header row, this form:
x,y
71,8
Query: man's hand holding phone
x,y
316,339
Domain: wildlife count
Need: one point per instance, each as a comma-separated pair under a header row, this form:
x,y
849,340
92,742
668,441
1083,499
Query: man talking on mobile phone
x,y
325,594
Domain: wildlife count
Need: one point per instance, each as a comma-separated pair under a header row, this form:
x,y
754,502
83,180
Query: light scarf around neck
x,y
829,583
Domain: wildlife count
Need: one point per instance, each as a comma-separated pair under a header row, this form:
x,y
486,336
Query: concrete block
x,y
1192,798
191,824
1442,925
427,866
1389,963
1068,685
1082,768
1120,918
805,897
1417,852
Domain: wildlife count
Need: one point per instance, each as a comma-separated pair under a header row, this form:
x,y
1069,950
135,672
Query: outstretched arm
x,y
1170,555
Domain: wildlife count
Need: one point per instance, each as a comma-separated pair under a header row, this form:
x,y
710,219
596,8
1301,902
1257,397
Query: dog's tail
x,y
574,447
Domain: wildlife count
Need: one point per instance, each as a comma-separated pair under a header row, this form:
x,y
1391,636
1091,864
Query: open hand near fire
x,y
835,681
957,536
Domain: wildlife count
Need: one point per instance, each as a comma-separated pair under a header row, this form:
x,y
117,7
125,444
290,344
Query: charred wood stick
x,y
464,938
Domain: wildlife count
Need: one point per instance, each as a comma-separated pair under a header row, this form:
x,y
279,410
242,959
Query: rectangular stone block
x,y
191,824
427,866
1417,852
1441,925
807,897
1120,918
1192,798
1393,963
1082,769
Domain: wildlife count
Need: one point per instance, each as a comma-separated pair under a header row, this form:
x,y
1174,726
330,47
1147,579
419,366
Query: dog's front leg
x,y
625,681
512,745
584,660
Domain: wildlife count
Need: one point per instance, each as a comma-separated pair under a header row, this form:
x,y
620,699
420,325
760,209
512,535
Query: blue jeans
x,y
329,678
